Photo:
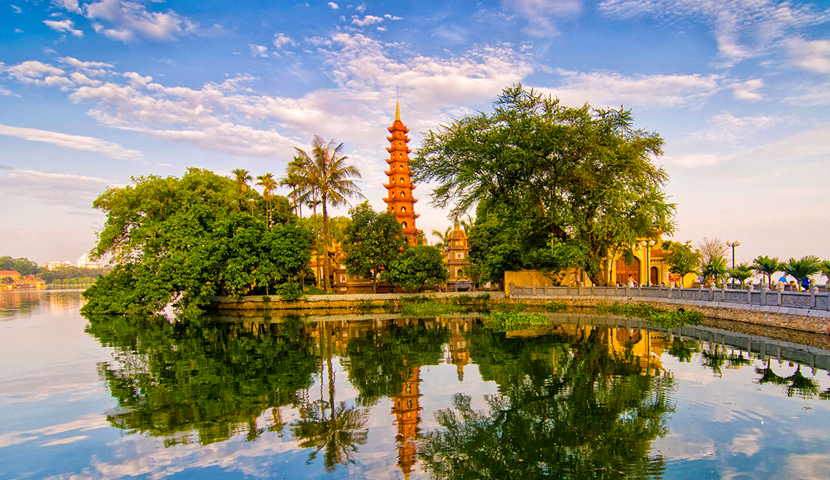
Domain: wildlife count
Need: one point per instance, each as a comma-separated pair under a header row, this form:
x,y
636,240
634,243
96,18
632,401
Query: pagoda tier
x,y
399,199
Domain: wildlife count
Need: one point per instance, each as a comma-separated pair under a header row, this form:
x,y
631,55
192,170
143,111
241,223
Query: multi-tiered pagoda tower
x,y
399,199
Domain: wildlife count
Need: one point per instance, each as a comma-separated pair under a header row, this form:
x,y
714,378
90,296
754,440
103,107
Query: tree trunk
x,y
317,273
327,282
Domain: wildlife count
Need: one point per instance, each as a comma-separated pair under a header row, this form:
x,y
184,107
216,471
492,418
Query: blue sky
x,y
93,92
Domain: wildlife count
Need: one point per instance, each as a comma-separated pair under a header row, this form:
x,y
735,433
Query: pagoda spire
x,y
399,199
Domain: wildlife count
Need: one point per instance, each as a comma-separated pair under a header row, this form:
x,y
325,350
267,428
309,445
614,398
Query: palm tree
x,y
803,267
715,269
268,185
298,183
332,177
444,238
741,273
242,178
825,270
766,266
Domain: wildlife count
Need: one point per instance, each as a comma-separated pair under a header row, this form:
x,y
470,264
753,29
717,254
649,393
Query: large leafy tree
x,y
417,267
183,240
332,178
578,176
373,241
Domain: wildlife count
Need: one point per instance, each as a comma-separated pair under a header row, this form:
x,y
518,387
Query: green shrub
x,y
555,307
655,316
507,321
290,292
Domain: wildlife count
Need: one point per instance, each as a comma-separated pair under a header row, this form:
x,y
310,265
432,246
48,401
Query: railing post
x,y
534,292
671,289
813,292
749,295
510,290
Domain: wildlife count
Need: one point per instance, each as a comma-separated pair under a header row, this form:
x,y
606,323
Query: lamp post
x,y
647,247
733,245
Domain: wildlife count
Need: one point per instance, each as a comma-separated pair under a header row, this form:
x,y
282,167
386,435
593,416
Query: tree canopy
x,y
546,174
417,267
184,240
373,241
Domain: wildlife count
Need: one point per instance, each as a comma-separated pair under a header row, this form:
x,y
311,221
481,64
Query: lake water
x,y
387,397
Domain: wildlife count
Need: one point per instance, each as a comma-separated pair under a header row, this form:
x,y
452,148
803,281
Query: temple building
x,y
457,254
399,199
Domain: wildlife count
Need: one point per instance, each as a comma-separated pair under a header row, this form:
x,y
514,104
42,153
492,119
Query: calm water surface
x,y
388,397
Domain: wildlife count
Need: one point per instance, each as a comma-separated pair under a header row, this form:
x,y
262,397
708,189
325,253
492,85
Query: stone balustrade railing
x,y
812,300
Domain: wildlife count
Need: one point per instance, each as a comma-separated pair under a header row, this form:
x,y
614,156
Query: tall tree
x,y
767,267
242,178
268,185
333,178
546,172
373,241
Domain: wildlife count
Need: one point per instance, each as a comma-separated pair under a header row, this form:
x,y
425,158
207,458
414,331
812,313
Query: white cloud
x,y
742,28
75,142
799,147
231,117
69,5
725,127
95,69
813,95
64,26
612,89
366,21
333,5
75,191
540,13
129,21
258,50
33,72
281,40
812,56
747,90
16,9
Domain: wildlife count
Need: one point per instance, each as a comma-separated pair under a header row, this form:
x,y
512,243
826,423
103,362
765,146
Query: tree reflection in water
x,y
342,430
216,379
573,406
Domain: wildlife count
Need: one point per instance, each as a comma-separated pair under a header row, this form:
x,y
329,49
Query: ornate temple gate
x,y
624,270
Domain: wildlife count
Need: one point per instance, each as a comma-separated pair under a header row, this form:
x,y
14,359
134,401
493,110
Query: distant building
x,y
14,275
51,266
85,262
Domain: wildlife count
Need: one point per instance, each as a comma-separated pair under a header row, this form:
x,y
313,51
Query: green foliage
x,y
373,241
198,381
805,266
420,307
741,273
715,269
540,171
290,292
23,266
655,316
825,270
682,258
555,307
766,266
328,175
182,241
507,321
417,267
68,273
